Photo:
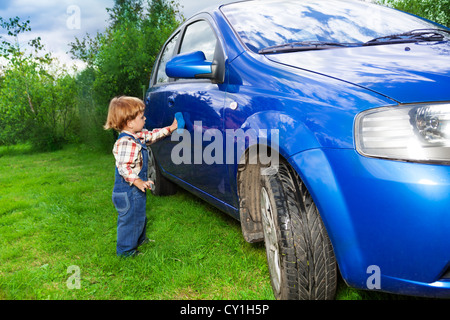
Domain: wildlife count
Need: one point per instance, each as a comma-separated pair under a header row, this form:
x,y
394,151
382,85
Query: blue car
x,y
324,128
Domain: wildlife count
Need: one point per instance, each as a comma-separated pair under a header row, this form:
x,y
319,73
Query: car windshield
x,y
268,24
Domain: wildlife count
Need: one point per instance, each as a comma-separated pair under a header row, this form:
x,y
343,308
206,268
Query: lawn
x,y
56,216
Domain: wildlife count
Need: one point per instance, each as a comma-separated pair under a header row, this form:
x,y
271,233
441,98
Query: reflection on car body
x,y
351,100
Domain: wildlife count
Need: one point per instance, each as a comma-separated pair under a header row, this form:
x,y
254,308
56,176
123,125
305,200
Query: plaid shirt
x,y
128,153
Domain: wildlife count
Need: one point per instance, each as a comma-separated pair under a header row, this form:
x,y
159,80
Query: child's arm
x,y
151,137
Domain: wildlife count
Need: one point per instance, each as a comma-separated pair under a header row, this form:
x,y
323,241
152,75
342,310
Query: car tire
x,y
162,186
300,256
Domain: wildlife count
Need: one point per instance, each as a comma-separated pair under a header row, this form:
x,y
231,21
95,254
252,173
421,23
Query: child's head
x,y
121,110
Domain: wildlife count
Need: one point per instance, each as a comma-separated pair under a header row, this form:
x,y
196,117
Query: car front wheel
x,y
300,256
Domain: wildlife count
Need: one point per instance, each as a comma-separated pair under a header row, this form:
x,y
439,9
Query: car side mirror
x,y
192,65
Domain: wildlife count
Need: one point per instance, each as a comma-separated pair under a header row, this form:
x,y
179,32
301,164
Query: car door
x,y
157,105
197,156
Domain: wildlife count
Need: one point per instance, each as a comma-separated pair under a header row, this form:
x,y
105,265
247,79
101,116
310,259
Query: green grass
x,y
56,212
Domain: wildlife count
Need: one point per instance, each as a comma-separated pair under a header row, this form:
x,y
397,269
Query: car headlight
x,y
419,132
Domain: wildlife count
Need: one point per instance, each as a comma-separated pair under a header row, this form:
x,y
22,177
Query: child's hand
x,y
174,125
148,184
143,185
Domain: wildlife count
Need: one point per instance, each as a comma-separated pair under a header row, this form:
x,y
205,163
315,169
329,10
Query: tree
x,y
36,97
119,60
435,10
124,54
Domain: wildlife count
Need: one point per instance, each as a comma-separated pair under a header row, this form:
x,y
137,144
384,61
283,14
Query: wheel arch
x,y
276,134
251,175
248,178
301,150
315,171
312,169
248,175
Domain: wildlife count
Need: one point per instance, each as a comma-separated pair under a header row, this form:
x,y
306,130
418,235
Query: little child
x,y
126,115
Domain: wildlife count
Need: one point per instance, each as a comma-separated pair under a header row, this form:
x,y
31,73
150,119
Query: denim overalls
x,y
130,203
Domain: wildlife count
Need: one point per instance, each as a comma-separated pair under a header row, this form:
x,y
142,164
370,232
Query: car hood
x,y
406,73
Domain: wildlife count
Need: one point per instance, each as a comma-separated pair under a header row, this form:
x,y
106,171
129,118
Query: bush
x,y
120,60
42,103
435,10
37,106
36,95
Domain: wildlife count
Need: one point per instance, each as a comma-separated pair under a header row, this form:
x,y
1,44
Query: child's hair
x,y
121,110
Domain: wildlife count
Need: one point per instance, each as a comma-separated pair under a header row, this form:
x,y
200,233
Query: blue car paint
x,y
192,64
408,76
377,212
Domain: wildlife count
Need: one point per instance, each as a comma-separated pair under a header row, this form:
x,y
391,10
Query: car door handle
x,y
171,101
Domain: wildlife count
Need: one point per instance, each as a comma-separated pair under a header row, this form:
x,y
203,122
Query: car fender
x,y
267,128
316,172
272,127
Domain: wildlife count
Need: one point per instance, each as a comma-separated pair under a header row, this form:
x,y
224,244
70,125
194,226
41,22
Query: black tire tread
x,y
307,254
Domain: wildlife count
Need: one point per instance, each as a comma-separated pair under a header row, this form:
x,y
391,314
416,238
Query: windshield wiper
x,y
417,35
304,46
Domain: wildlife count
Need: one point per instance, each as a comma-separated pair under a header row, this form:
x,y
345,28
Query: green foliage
x,y
36,98
42,103
123,55
92,115
435,10
120,60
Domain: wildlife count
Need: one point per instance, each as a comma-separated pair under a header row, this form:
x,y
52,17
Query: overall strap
x,y
137,140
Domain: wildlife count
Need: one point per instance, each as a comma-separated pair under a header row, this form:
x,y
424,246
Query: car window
x,y
263,24
161,76
199,37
